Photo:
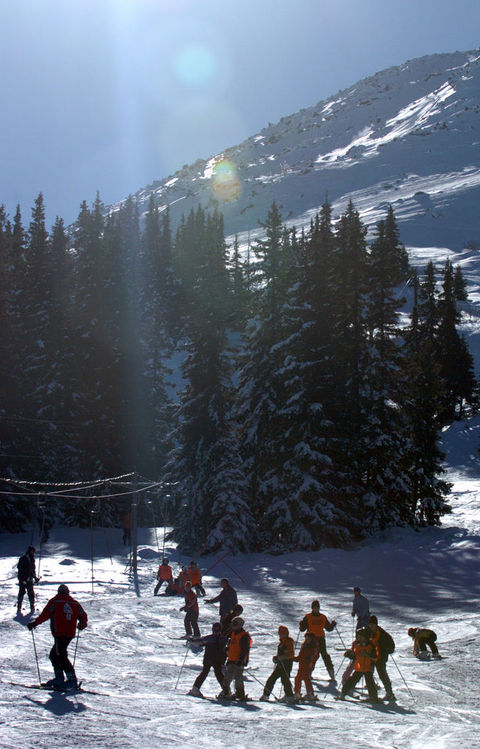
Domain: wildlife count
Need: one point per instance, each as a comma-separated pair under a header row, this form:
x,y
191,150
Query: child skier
x,y
191,611
364,656
283,666
164,575
237,659
306,661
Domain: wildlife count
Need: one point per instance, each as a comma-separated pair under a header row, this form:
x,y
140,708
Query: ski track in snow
x,y
129,651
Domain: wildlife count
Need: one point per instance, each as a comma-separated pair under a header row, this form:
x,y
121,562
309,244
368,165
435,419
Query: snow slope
x,y
129,651
409,136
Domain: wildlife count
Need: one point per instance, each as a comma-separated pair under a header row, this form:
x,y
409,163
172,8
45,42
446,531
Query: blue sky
x,y
109,95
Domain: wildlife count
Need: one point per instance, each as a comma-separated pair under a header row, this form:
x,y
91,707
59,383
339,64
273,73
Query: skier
x,y
364,656
64,612
164,575
27,575
214,657
191,611
306,660
384,646
228,618
237,659
227,598
195,575
283,666
422,638
360,608
316,623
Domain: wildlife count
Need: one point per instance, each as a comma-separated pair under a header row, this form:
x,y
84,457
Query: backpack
x,y
389,643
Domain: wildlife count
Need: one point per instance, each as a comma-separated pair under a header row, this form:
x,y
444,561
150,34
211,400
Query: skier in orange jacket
x,y
316,623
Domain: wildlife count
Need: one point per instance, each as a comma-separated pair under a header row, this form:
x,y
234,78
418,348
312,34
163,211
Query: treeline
x,y
310,405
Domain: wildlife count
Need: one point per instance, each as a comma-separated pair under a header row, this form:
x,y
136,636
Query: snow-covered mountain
x,y
409,136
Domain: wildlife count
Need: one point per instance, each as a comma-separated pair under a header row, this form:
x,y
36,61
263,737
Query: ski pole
x,y
36,658
341,638
402,678
260,682
296,641
181,668
76,646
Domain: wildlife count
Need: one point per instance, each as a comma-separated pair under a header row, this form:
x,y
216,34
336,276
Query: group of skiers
x,y
227,648
175,586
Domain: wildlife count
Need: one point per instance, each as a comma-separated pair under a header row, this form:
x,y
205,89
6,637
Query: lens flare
x,y
194,65
225,181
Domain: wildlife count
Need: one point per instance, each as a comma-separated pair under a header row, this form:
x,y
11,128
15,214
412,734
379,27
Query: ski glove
x,y
31,625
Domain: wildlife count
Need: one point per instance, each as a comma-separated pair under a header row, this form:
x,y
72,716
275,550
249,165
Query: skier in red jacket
x,y
64,612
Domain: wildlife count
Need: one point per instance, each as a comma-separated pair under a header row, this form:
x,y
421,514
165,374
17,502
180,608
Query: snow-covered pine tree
x,y
311,512
262,381
205,464
424,394
383,445
456,361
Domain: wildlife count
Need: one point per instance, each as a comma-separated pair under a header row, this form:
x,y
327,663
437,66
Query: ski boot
x,y
264,697
310,697
195,692
71,682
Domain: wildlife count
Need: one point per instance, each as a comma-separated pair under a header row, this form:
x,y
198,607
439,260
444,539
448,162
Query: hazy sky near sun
x,y
110,95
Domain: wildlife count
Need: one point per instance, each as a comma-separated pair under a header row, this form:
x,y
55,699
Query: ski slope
x,y
130,653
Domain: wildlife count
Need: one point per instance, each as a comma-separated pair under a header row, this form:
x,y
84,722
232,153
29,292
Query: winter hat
x,y
237,609
165,561
356,589
283,631
238,622
315,604
373,619
363,633
31,548
216,627
63,589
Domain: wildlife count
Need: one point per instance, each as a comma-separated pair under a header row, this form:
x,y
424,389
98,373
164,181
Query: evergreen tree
x,y
206,462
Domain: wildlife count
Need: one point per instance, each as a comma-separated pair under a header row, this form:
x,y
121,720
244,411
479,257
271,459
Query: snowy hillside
x,y
409,136
131,655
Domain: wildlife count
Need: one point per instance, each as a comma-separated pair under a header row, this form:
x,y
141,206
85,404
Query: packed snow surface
x,y
130,651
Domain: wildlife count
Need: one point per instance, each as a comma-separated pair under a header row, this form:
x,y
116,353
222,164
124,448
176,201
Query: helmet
x,y
165,561
238,622
364,632
63,589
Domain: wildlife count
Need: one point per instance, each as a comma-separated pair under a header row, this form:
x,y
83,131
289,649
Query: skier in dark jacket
x,y
64,612
27,575
283,666
360,608
214,657
384,646
227,598
226,623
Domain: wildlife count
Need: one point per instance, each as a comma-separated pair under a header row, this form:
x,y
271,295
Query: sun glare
x,y
225,181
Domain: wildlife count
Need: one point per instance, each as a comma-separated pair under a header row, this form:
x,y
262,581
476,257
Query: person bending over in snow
x,y
237,659
164,575
283,666
384,646
316,623
191,611
306,662
360,608
27,575
227,598
214,657
422,638
364,656
64,612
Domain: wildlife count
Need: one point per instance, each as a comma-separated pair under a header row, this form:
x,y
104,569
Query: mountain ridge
x,y
406,135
